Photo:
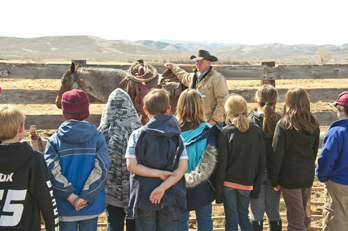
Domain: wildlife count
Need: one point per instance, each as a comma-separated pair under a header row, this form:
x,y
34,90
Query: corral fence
x,y
267,73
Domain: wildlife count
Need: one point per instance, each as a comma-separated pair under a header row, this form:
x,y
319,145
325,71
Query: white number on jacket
x,y
15,209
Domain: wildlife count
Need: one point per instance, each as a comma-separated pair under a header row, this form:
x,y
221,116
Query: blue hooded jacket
x,y
78,162
333,159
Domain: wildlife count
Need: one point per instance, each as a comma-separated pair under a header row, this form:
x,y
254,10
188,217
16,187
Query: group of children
x,y
161,171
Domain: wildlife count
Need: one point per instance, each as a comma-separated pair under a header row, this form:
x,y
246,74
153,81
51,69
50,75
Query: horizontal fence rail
x,y
23,96
53,121
262,72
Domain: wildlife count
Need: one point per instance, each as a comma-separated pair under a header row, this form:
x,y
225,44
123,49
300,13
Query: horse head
x,y
69,81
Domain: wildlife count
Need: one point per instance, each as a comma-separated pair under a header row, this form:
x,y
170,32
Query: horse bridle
x,y
77,80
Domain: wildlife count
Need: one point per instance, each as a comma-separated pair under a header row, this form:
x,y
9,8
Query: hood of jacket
x,y
13,156
163,125
119,117
304,137
192,136
257,118
74,131
339,123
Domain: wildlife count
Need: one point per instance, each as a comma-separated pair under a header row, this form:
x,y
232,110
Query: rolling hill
x,y
95,48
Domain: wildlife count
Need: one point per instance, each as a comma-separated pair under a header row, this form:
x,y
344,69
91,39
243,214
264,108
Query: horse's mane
x,y
112,72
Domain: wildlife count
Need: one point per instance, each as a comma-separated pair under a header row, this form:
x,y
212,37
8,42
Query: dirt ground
x,y
252,84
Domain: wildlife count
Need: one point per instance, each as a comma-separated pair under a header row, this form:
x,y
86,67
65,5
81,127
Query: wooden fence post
x,y
267,81
36,142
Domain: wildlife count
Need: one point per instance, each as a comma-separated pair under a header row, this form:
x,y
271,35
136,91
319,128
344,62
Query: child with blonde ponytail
x,y
268,201
241,163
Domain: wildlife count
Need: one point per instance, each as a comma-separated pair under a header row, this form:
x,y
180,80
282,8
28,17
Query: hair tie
x,y
240,113
266,103
200,94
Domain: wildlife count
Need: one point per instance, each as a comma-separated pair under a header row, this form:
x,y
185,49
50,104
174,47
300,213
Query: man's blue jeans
x,y
84,225
149,220
203,219
236,209
115,217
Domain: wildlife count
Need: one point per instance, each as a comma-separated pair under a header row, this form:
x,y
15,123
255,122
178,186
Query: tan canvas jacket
x,y
214,89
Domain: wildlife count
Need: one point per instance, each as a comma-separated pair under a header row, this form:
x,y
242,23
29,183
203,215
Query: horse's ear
x,y
72,68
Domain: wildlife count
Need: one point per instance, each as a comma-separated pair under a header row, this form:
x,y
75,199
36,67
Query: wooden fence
x,y
262,72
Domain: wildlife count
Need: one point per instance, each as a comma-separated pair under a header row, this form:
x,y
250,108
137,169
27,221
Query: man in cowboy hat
x,y
210,83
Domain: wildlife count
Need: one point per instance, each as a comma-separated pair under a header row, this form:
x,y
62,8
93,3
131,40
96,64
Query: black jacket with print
x,y
25,189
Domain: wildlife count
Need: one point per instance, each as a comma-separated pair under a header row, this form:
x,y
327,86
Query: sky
x,y
251,22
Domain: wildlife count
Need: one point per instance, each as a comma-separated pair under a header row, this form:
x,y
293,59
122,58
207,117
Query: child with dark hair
x,y
294,151
156,157
201,145
118,121
78,163
241,164
266,118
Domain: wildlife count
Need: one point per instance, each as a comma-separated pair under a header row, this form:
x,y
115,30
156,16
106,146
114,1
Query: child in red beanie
x,y
78,163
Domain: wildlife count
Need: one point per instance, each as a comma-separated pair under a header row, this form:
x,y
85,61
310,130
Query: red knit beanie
x,y
75,104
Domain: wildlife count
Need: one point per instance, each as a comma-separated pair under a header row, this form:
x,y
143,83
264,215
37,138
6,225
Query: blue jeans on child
x,y
236,209
115,219
203,217
149,220
84,225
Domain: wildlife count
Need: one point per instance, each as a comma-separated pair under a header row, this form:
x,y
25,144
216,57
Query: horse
x,y
137,82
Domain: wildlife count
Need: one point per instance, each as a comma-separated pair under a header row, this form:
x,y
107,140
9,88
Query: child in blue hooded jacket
x,y
78,163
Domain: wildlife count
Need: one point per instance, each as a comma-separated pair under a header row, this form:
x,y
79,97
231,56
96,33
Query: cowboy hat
x,y
203,54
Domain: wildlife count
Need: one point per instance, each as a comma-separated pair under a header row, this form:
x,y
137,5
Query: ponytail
x,y
270,119
241,122
236,105
266,97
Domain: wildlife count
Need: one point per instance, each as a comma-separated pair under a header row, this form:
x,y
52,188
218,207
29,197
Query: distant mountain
x,y
268,51
153,44
345,45
95,48
272,50
204,43
73,47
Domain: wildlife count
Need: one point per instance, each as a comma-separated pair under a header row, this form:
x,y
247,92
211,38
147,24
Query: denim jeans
x,y
149,220
203,217
84,225
236,209
115,219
